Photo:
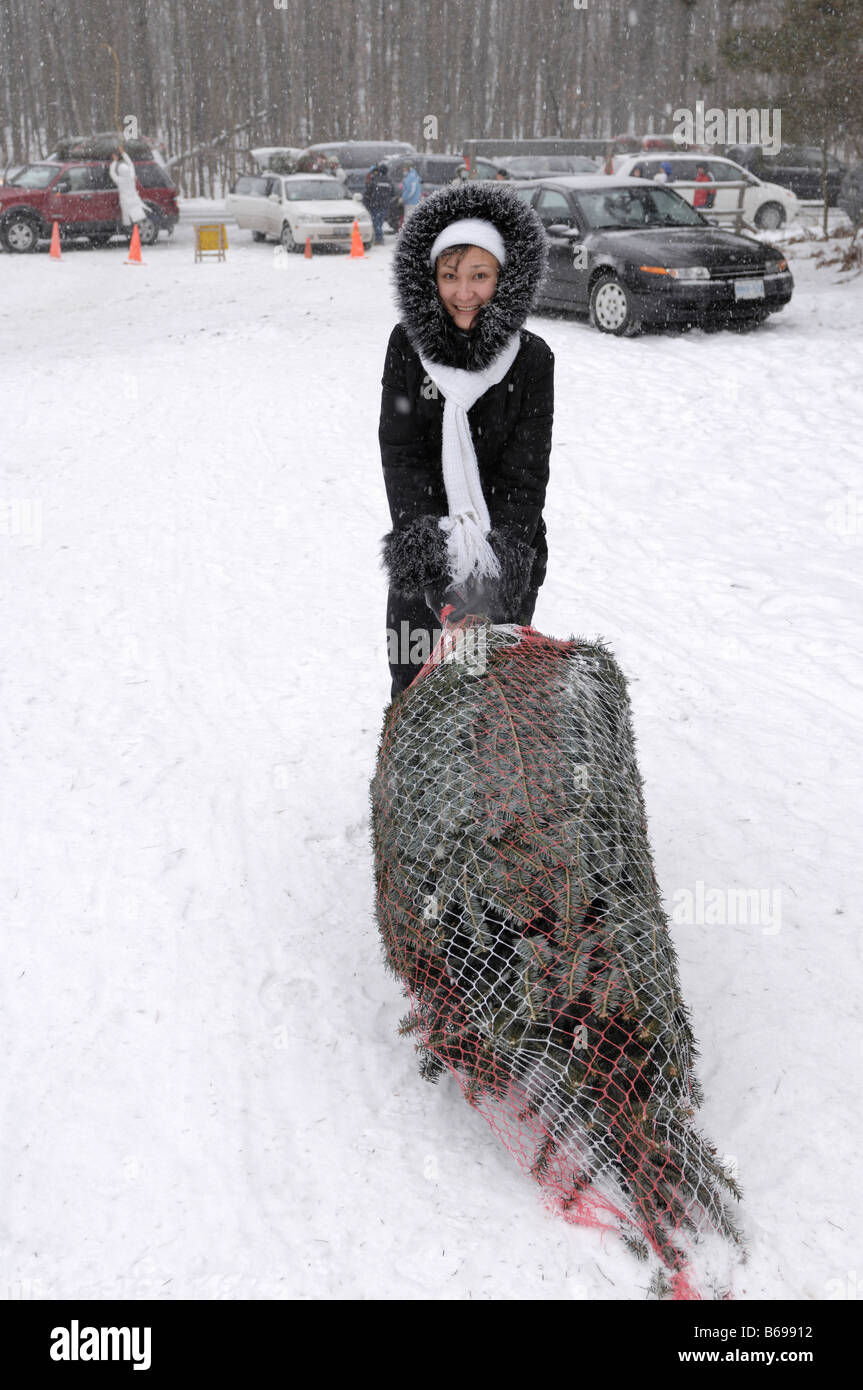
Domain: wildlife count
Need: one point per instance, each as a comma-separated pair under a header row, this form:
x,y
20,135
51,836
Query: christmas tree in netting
x,y
517,903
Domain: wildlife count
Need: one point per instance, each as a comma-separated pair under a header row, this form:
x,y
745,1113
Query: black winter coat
x,y
511,430
510,424
379,192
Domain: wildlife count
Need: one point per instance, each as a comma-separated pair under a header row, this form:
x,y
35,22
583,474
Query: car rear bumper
x,y
338,234
679,302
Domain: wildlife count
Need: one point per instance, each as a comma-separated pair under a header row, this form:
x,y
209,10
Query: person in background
x,y
377,198
411,191
334,167
122,172
701,197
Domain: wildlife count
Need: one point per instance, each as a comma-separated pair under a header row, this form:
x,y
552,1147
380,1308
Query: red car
x,y
81,197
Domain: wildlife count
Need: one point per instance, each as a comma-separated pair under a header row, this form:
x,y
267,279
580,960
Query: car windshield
x,y
34,176
650,206
314,190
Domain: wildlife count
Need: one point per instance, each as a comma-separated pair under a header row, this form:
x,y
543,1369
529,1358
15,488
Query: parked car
x,y
630,252
291,207
850,199
435,170
797,167
81,197
281,159
357,157
538,166
486,168
765,205
624,147
485,157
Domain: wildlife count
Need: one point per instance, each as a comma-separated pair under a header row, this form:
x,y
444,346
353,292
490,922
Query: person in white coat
x,y
123,175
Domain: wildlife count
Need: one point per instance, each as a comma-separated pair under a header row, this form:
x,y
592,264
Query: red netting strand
x,y
518,905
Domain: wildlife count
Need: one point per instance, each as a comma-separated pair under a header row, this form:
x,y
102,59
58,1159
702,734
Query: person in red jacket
x,y
701,197
466,416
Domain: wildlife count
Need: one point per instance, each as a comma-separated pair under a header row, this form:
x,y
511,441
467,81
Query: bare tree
x,y
219,77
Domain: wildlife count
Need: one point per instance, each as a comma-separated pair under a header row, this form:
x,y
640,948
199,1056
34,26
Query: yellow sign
x,y
211,239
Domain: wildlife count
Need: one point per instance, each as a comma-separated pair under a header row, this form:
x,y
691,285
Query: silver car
x,y
293,207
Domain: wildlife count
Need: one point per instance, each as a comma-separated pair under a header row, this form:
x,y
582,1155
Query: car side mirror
x,y
64,186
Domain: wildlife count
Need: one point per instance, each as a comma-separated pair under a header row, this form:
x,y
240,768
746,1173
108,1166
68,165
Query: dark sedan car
x,y
797,167
630,252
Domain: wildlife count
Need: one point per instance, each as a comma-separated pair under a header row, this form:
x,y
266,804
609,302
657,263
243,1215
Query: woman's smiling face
x,y
465,281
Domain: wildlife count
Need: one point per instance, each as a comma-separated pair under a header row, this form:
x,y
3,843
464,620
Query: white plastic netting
x,y
517,903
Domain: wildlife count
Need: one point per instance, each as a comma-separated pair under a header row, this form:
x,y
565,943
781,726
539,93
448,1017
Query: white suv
x,y
291,207
765,205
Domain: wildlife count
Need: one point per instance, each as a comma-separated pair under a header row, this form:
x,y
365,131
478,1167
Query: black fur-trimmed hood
x,y
431,330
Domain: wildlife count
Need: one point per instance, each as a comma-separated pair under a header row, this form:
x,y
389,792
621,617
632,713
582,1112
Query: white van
x,y
765,205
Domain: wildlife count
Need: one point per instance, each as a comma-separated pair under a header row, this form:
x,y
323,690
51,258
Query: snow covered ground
x,y
205,1095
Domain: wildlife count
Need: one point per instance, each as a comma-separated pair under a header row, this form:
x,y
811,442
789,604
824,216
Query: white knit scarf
x,y
468,523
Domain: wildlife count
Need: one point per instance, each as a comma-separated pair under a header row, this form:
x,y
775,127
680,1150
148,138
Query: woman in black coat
x,y
465,481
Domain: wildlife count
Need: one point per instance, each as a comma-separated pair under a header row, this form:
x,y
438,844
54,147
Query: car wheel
x,y
20,233
770,217
288,238
259,236
148,229
611,308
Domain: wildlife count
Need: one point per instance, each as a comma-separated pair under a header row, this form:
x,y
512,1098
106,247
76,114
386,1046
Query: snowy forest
x,y
433,603
213,79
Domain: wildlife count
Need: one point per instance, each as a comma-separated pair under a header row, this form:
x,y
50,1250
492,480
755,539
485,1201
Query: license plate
x,y
748,289
340,231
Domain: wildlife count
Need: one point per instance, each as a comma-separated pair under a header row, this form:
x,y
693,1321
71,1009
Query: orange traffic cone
x,y
134,256
308,251
356,240
55,242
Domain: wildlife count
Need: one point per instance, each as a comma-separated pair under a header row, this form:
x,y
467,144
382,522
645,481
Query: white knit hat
x,y
469,231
